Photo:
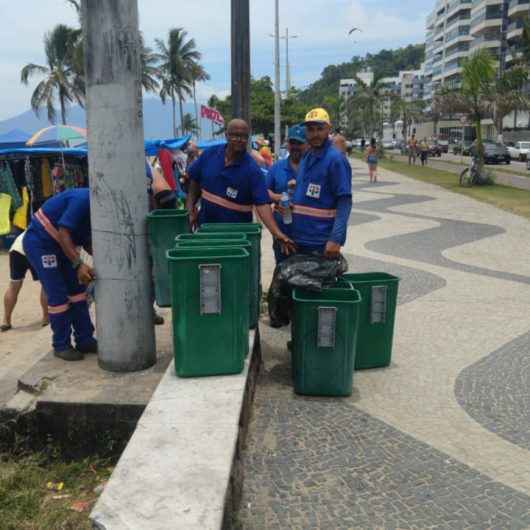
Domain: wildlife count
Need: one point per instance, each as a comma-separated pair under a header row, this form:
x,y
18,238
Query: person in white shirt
x,y
18,267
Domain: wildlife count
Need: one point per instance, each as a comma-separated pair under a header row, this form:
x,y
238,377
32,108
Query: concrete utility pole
x,y
287,63
118,193
277,93
241,60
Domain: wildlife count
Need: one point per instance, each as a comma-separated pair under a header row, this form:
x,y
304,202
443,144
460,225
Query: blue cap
x,y
297,133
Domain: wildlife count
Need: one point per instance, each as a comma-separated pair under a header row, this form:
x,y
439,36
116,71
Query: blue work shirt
x,y
324,176
69,209
280,174
228,192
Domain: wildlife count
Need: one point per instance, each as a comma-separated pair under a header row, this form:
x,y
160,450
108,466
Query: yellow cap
x,y
317,116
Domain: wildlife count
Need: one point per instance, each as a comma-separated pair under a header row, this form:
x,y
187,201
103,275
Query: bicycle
x,y
470,175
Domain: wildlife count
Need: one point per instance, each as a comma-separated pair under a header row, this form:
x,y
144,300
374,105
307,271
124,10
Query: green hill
x,y
384,63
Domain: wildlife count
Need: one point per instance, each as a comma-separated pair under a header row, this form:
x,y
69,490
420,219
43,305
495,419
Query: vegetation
x,y
177,55
511,199
41,495
173,73
60,81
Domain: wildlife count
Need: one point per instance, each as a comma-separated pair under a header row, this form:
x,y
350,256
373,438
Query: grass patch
x,y
511,199
31,497
492,167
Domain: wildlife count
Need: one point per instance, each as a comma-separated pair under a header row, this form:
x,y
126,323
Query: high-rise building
x,y
457,28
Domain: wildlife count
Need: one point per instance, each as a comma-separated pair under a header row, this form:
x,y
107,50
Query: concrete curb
x,y
181,467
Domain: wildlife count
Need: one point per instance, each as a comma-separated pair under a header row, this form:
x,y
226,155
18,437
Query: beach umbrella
x,y
59,133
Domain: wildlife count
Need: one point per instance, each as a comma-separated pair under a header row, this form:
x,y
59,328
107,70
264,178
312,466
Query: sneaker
x,y
69,355
89,347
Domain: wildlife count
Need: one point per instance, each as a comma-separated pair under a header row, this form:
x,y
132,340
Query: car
x,y
463,148
519,150
435,150
495,153
444,146
388,144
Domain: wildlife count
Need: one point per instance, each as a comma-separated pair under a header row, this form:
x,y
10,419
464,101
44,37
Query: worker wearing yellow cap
x,y
322,200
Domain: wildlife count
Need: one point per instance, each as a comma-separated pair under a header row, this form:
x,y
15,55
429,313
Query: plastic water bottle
x,y
287,214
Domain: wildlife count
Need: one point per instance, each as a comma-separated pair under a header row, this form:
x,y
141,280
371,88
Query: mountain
x,y
157,120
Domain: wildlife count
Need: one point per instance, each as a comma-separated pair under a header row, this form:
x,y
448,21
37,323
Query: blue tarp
x,y
44,151
152,146
13,139
204,144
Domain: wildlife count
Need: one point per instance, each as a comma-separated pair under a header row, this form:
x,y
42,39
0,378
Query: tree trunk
x,y
174,115
63,109
181,110
480,146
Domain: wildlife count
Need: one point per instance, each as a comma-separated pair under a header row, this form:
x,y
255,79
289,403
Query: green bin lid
x,y
328,296
168,212
208,254
208,243
364,278
214,235
248,228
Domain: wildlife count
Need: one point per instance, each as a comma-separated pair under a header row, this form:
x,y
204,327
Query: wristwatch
x,y
77,263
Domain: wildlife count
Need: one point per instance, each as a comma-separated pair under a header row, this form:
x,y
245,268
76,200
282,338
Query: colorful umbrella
x,y
59,133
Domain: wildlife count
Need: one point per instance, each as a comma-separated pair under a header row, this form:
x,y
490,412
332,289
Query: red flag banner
x,y
212,115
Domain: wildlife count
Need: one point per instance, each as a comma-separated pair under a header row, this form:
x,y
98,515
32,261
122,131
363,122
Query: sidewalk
x,y
441,438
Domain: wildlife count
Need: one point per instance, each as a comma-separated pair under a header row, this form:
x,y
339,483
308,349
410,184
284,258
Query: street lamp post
x,y
240,42
277,94
287,64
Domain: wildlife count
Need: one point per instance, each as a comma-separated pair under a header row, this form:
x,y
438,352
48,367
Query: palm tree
x,y
474,96
150,69
189,124
177,56
60,76
198,74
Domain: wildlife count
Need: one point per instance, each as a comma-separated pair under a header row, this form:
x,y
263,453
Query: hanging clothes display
x,y
20,219
46,179
8,185
5,207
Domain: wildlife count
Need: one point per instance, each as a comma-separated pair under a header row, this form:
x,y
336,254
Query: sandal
x,y
5,327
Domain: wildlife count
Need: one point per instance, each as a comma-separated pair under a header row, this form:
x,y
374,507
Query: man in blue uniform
x,y
51,245
322,199
230,184
282,178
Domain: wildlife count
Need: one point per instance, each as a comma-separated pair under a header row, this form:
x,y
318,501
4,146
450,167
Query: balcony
x,y
518,8
486,41
457,5
462,19
485,20
457,51
515,29
461,33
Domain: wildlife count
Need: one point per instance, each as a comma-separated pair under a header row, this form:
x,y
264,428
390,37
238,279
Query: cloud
x,y
322,26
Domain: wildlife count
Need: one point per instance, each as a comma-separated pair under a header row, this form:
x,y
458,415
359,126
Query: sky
x,y
321,25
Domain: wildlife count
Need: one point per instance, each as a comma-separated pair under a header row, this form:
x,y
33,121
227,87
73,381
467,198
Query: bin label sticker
x,y
327,319
49,261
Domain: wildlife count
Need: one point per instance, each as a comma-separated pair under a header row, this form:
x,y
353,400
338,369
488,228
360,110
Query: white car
x,y
519,151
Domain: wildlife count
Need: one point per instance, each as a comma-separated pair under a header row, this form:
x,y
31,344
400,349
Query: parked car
x,y
495,153
519,150
388,144
462,148
444,145
435,150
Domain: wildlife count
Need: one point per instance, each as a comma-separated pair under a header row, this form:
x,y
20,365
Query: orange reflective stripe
x,y
78,298
314,212
58,309
47,225
215,199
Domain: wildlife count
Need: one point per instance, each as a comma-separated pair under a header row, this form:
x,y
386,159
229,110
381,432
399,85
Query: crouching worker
x,y
51,246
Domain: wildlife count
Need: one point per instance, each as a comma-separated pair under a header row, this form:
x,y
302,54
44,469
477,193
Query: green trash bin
x,y
324,339
379,292
237,236
209,310
253,233
162,228
203,242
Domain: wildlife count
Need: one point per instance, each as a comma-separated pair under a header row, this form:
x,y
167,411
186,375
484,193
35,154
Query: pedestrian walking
x,y
370,156
18,267
424,152
412,149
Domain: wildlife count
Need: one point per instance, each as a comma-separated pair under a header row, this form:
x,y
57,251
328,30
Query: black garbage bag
x,y
307,271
